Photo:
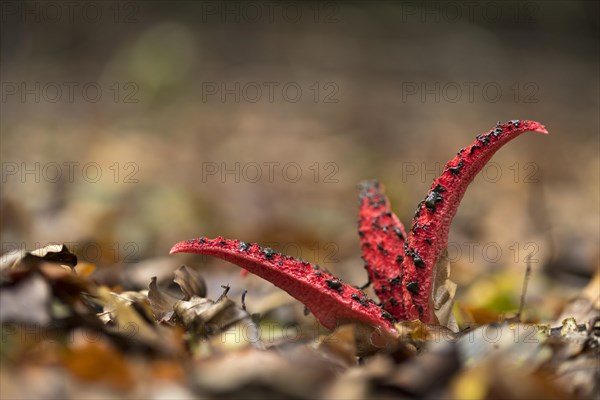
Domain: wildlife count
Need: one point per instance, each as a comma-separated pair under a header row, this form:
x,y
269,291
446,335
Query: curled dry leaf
x,y
22,260
109,308
575,343
586,306
221,322
223,319
161,302
190,282
442,294
134,321
41,282
575,351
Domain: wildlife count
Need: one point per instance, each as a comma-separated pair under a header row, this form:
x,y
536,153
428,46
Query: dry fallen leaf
x,y
341,343
161,302
190,282
443,292
25,260
229,326
32,294
100,363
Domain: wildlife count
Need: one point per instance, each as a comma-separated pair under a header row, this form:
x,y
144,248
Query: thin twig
x,y
244,299
224,294
366,285
524,289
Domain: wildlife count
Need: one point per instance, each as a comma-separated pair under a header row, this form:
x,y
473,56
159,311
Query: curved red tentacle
x,y
326,296
428,234
382,238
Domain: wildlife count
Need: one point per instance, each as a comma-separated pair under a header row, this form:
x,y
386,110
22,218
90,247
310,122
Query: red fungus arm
x,y
401,267
428,234
382,238
327,297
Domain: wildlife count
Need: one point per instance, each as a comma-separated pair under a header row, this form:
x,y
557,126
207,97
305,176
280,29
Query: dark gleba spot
x,y
244,246
413,287
382,249
396,281
456,169
416,226
334,284
398,233
434,197
418,211
483,139
268,252
361,301
387,315
417,260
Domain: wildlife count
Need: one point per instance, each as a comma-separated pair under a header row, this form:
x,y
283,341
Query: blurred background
x,y
129,126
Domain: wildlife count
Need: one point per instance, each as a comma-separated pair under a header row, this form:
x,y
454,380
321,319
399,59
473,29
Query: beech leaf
x,y
190,282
